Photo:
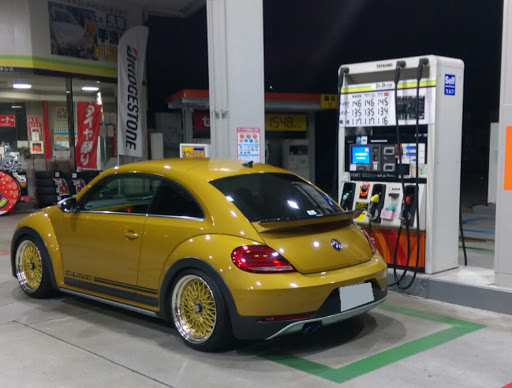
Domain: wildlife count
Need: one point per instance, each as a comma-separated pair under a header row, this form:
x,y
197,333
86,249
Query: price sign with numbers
x,y
374,105
286,122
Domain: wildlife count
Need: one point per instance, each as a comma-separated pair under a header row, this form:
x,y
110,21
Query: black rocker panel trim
x,y
128,295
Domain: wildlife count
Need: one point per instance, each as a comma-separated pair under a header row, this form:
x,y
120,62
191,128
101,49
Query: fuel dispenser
x,y
400,135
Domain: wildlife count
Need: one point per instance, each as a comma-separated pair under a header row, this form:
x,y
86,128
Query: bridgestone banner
x,y
130,69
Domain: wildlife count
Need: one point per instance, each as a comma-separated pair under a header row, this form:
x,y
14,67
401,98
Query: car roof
x,y
200,168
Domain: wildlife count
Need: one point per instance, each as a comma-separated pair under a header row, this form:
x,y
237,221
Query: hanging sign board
x,y
7,121
35,127
88,118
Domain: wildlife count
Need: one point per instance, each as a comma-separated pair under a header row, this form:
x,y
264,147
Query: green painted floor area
x,y
358,368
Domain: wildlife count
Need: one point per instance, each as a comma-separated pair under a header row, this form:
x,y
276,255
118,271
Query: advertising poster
x,y
85,29
7,121
35,127
88,117
201,121
36,147
130,70
248,143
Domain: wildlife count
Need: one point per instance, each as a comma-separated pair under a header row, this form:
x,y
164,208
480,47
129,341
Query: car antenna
x,y
248,164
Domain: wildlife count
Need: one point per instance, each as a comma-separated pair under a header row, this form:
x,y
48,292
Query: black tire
x,y
42,191
46,174
28,263
69,175
71,187
47,200
90,174
45,183
221,334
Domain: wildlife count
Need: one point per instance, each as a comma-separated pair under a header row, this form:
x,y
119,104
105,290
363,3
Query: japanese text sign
x,y
88,117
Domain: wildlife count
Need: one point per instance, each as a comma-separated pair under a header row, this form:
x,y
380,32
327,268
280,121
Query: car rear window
x,y
275,197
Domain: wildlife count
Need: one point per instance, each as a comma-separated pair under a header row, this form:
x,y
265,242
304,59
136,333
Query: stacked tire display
x,y
89,175
47,188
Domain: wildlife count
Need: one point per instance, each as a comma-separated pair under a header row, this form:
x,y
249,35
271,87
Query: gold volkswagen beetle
x,y
221,248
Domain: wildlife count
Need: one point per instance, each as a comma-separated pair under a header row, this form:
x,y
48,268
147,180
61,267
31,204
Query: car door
x,y
100,244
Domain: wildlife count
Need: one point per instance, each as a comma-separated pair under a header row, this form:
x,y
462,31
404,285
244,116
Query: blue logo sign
x,y
336,245
449,84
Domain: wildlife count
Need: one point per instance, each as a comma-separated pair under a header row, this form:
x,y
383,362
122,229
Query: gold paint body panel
x,y
96,245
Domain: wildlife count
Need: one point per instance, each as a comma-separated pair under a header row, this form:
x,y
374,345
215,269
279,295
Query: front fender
x,y
39,226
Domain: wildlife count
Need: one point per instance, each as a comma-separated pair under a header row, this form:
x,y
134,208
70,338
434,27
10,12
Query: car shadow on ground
x,y
341,334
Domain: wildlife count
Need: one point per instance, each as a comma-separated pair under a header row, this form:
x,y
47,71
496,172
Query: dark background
x,y
306,41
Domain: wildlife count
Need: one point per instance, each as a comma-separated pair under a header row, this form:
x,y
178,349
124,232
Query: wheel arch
x,y
29,231
193,263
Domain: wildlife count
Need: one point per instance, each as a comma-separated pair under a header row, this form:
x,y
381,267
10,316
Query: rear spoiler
x,y
340,220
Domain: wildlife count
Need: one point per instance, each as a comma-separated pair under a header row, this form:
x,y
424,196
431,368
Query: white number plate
x,y
356,295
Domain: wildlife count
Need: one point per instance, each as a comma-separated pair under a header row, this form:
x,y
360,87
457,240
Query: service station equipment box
x,y
370,172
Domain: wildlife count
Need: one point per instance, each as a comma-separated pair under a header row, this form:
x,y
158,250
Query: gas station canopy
x,y
274,102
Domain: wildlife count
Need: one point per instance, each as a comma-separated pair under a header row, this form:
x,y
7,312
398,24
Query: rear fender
x,y
210,253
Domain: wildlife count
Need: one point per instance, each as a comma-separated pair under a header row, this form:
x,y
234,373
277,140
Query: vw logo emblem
x,y
336,245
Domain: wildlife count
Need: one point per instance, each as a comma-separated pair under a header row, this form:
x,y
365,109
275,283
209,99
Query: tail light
x,y
371,241
260,259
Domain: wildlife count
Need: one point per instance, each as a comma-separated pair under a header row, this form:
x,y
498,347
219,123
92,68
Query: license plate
x,y
356,295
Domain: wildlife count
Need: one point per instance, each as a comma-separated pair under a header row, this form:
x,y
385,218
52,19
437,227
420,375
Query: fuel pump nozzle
x,y
373,211
344,200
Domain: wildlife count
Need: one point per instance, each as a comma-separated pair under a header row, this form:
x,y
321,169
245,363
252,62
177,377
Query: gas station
x,y
399,142
289,129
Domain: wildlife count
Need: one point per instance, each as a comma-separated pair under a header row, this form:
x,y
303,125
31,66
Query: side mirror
x,y
68,205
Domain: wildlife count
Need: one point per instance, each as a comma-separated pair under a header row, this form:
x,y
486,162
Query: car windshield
x,y
275,197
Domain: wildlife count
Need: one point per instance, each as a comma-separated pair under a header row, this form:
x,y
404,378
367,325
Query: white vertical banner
x,y
131,138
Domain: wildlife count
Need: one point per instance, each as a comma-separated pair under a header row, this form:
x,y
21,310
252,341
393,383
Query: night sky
x,y
306,41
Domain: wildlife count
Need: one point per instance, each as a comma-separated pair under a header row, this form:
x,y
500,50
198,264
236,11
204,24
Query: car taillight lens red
x,y
371,241
260,259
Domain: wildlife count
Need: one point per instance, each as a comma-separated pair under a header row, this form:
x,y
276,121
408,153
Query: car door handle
x,y
131,235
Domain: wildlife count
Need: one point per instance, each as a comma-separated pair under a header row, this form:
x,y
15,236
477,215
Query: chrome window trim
x,y
176,217
108,212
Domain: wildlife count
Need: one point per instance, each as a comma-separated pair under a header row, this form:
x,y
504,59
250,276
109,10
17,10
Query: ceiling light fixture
x,y
87,88
21,85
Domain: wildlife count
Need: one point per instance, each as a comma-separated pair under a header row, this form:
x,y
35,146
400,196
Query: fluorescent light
x,y
16,106
87,88
21,85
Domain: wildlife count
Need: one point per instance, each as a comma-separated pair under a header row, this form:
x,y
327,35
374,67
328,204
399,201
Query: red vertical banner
x,y
88,117
46,121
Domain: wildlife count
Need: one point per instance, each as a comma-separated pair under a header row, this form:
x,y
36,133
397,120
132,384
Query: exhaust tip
x,y
311,327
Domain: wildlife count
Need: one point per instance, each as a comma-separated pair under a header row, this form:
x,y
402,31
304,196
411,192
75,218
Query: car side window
x,y
130,193
174,200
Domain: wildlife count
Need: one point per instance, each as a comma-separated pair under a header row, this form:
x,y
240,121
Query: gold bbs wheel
x,y
194,309
29,266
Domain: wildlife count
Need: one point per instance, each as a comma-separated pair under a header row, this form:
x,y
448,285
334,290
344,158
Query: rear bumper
x,y
253,328
328,320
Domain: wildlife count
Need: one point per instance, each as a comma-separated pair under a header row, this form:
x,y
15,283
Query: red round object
x,y
10,192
